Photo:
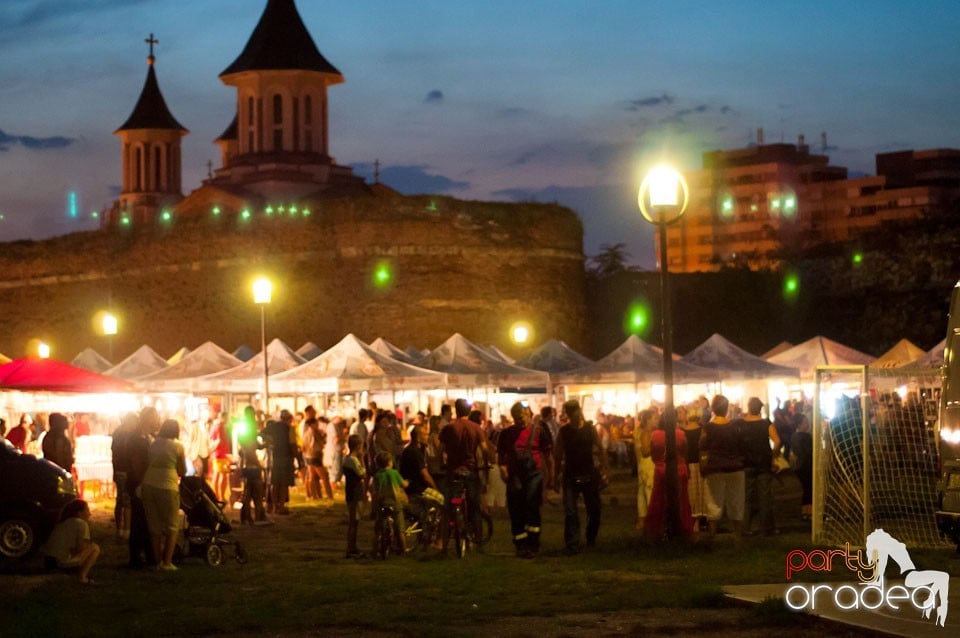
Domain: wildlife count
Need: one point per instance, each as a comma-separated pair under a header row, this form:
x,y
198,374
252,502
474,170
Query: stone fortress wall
x,y
455,266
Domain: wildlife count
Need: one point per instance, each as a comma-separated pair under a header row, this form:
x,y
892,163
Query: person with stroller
x,y
161,492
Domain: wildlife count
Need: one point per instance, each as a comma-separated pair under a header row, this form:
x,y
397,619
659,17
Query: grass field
x,y
297,582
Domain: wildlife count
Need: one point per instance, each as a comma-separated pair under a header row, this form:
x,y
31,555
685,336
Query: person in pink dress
x,y
655,525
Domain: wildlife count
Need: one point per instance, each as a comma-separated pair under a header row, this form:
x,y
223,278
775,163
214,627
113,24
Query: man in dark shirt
x,y
578,441
138,447
459,441
413,467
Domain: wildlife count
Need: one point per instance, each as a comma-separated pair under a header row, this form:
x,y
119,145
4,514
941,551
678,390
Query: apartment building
x,y
752,206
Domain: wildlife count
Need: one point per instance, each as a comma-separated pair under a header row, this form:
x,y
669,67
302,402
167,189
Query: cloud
x,y
434,97
56,10
646,102
412,179
36,143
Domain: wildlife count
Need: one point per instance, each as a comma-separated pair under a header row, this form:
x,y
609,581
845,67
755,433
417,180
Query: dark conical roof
x,y
280,42
151,110
230,133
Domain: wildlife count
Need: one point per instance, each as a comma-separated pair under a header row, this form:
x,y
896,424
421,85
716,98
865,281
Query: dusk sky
x,y
548,101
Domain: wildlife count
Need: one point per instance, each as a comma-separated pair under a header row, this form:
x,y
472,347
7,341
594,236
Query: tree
x,y
611,260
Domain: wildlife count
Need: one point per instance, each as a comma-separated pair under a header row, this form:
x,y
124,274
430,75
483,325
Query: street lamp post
x,y
109,330
262,292
663,199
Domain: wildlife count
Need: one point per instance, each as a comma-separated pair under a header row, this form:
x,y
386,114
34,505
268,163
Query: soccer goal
x,y
875,455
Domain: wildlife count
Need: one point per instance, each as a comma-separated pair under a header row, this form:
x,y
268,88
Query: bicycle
x,y
387,516
422,531
462,533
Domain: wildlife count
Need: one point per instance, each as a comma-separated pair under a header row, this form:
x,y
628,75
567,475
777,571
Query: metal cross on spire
x,y
151,41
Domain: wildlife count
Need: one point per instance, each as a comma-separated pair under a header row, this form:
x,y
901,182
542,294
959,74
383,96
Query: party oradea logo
x,y
923,590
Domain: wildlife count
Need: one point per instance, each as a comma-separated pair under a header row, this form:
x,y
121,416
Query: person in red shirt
x,y
459,441
22,433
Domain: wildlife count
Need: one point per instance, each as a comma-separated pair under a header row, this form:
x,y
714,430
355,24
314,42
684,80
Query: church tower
x,y
281,80
150,140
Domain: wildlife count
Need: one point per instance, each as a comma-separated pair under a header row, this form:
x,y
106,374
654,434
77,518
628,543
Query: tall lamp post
x,y
663,199
110,327
262,292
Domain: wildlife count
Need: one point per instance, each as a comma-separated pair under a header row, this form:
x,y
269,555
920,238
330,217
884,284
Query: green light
x,y
293,209
166,216
281,209
2,217
637,319
125,221
775,203
93,214
790,205
245,215
306,212
857,258
382,275
432,207
241,428
216,210
753,208
791,285
728,204
269,210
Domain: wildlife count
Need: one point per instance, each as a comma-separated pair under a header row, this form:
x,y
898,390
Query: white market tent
x,y
91,360
142,362
901,354
635,362
309,351
717,353
819,351
206,359
178,356
247,378
352,366
468,365
554,356
384,347
498,353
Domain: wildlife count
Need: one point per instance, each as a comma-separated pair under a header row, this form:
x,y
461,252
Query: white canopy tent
x,y
384,347
206,359
717,353
247,378
352,366
142,362
631,375
553,357
91,360
467,365
819,351
309,351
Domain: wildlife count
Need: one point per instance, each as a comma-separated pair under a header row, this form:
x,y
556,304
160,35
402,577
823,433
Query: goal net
x,y
876,458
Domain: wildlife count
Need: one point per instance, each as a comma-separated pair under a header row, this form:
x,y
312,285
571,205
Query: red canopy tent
x,y
31,374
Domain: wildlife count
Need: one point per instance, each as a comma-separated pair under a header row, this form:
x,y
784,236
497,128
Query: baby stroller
x,y
206,524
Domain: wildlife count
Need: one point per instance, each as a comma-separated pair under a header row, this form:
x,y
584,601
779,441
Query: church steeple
x,y
281,80
150,141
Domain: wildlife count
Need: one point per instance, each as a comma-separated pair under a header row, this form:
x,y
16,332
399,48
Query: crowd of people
x,y
725,465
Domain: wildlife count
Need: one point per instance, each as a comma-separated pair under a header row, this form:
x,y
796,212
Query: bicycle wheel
x,y
461,542
412,536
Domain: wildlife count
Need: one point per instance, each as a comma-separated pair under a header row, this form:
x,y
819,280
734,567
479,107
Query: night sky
x,y
547,101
